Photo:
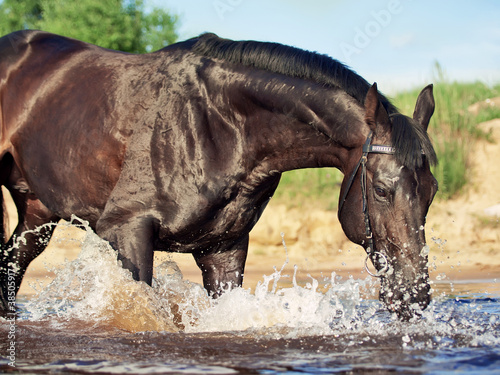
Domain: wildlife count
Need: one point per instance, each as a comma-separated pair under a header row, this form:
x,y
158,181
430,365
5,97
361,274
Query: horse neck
x,y
292,123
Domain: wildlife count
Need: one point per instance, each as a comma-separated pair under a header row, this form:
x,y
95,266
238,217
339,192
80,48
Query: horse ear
x,y
424,107
375,113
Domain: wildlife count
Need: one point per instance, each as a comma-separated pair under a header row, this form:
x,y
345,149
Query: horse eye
x,y
380,192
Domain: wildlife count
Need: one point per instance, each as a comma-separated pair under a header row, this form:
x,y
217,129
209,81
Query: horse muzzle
x,y
404,294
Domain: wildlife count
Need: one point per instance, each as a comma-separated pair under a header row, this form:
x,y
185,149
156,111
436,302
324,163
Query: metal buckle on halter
x,y
384,268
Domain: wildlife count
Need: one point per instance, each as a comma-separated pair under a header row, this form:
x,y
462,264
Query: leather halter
x,y
370,250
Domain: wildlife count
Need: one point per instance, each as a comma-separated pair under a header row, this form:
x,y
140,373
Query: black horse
x,y
180,150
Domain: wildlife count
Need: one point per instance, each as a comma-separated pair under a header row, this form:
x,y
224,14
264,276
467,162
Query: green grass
x,y
453,128
488,221
453,131
318,187
487,114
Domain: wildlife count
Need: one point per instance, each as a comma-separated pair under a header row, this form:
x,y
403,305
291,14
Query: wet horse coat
x,y
181,150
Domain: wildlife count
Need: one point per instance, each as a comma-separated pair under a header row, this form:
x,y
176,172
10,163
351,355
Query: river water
x,y
93,318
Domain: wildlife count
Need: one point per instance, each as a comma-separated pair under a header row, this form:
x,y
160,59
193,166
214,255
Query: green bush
x,y
128,26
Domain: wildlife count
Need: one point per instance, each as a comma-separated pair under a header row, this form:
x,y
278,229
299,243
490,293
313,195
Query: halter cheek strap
x,y
370,250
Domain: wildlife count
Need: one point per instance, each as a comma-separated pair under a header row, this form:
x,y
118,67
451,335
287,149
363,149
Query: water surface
x,y
93,318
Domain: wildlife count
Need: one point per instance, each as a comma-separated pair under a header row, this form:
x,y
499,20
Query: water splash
x,y
96,289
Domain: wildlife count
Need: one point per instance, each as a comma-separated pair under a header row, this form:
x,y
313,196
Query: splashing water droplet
x,y
425,251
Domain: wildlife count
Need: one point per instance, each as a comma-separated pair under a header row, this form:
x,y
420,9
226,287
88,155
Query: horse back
x,y
28,58
34,50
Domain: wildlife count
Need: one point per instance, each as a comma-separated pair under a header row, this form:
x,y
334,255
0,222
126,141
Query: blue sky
x,y
393,42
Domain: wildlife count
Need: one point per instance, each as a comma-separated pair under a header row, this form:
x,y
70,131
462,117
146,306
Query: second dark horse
x,y
180,150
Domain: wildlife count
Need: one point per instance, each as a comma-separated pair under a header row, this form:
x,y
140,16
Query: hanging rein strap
x,y
367,148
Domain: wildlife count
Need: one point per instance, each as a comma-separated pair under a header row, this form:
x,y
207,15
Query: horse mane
x,y
411,141
408,138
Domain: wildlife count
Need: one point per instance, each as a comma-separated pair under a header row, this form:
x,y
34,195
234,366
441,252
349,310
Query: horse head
x,y
385,198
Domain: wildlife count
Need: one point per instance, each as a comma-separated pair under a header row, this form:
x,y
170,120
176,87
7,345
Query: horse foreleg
x,y
223,270
28,241
133,239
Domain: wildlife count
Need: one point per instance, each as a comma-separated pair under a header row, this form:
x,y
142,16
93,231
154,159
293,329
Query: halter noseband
x,y
376,149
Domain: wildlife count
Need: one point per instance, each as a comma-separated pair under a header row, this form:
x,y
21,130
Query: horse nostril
x,y
406,302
